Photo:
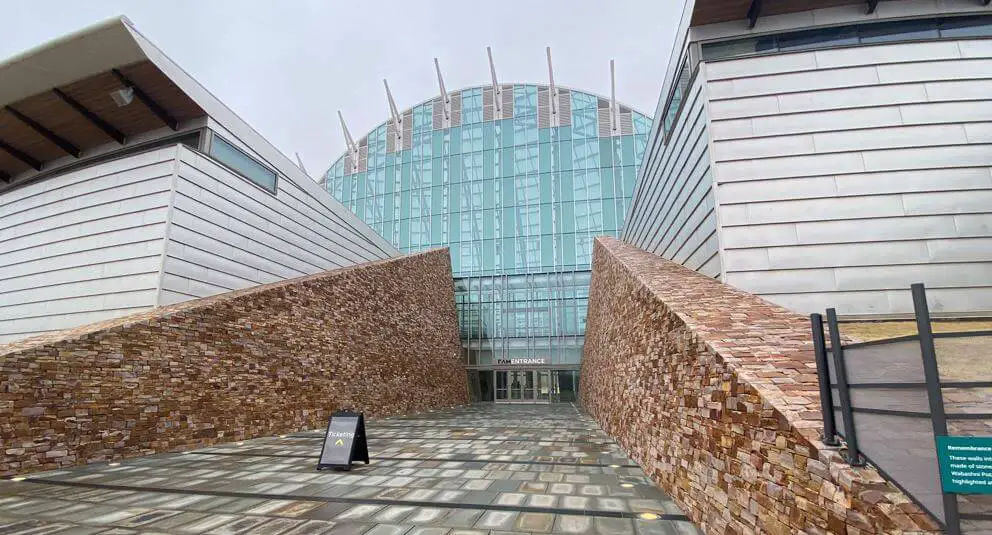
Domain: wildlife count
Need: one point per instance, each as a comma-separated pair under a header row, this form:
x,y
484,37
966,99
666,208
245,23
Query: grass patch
x,y
877,330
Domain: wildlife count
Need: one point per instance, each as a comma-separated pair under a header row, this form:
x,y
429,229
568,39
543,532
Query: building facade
x,y
517,181
827,154
125,185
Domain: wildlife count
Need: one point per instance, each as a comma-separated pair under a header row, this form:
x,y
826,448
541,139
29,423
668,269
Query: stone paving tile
x,y
427,531
573,524
480,469
349,528
388,529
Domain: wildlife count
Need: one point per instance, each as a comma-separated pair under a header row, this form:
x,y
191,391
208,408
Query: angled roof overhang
x,y
714,11
55,100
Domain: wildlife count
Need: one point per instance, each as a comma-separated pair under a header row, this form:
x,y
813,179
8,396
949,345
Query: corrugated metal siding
x,y
83,246
845,175
226,234
672,214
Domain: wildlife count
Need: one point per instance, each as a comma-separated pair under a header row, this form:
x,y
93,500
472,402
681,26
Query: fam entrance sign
x,y
965,464
344,442
532,361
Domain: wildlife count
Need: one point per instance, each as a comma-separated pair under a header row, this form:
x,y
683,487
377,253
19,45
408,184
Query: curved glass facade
x,y
518,192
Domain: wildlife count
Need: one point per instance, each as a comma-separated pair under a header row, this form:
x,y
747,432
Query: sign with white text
x,y
531,361
965,464
344,441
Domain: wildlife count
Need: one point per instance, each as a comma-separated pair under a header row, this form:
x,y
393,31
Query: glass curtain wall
x,y
518,204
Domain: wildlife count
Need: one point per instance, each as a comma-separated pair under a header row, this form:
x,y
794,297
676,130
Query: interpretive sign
x,y
965,464
344,442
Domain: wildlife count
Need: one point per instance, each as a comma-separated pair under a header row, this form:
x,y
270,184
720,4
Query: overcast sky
x,y
287,66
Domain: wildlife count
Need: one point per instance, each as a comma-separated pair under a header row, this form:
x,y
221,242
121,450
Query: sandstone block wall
x,y
379,337
713,391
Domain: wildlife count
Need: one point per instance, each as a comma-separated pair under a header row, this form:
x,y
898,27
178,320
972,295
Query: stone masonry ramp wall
x,y
714,392
380,337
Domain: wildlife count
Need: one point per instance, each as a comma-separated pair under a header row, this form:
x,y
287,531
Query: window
x,y
677,96
878,32
241,163
966,27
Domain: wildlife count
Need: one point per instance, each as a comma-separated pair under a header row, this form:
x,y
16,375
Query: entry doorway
x,y
523,386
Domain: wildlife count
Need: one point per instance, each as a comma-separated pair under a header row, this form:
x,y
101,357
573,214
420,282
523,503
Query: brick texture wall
x,y
380,337
713,391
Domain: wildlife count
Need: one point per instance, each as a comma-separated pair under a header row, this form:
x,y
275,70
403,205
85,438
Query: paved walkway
x,y
479,469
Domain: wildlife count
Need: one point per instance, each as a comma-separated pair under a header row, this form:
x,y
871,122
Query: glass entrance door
x,y
542,388
523,386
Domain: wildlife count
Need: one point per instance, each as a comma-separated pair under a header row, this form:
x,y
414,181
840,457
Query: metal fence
x,y
890,399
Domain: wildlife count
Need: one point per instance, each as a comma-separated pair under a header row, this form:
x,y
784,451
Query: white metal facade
x,y
88,241
151,229
834,177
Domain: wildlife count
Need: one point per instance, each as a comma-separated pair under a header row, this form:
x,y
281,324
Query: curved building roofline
x,y
483,86
320,178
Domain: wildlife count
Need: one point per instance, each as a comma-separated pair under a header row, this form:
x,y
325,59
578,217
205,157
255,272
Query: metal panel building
x,y
125,185
826,156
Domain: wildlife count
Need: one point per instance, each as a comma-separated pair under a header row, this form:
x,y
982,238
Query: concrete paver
x,y
479,469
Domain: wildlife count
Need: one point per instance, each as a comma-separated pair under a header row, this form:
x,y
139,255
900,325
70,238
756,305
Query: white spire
x,y
351,143
553,93
614,111
397,120
497,90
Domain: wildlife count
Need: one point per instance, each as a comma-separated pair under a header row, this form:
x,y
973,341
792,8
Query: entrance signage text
x,y
522,361
965,464
344,442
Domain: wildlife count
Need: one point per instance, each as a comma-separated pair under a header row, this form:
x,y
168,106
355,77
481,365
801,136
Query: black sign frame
x,y
354,441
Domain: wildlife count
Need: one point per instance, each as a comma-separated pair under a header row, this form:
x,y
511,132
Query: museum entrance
x,y
523,386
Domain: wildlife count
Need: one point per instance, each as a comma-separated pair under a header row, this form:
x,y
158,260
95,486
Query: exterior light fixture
x,y
626,485
18,478
113,464
122,97
648,516
614,466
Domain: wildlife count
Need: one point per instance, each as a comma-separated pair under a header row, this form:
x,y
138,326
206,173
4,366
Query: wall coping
x,y
163,312
770,352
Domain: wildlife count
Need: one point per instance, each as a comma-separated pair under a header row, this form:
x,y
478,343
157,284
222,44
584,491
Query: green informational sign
x,y
965,464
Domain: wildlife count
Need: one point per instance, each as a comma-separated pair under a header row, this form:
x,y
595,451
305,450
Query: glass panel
x,y
501,386
818,38
966,27
904,449
964,358
500,195
543,385
241,163
529,386
516,385
899,31
894,362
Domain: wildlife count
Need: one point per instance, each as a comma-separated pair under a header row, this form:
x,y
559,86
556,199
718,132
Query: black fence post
x,y
938,418
823,374
843,392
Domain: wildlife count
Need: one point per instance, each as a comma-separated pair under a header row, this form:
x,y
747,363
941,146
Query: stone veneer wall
x,y
714,392
380,337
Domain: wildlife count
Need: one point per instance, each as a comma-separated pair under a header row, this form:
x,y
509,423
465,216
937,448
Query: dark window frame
x,y
936,23
206,151
691,71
